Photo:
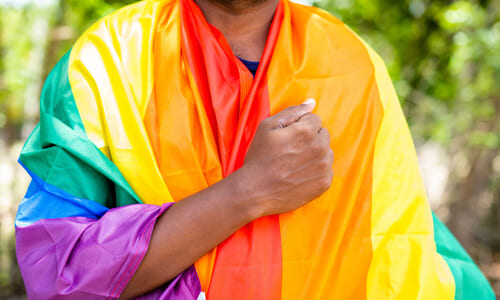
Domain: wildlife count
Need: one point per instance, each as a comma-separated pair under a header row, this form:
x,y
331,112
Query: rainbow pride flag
x,y
151,106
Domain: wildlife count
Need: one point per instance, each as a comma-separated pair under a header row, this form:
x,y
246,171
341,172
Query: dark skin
x,y
289,164
244,23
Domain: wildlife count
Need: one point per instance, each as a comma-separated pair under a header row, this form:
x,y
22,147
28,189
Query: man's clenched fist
x,y
289,162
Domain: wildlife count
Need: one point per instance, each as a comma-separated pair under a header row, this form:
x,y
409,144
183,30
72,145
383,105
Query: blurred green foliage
x,y
32,37
444,59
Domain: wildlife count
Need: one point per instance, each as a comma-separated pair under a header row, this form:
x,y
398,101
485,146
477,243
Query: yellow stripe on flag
x,y
405,264
111,75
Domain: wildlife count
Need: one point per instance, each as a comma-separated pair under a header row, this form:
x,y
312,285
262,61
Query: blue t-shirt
x,y
251,65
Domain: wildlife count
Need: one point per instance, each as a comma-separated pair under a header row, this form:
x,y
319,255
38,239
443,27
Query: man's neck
x,y
244,24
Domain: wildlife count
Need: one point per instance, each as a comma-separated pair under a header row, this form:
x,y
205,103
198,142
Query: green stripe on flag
x,y
59,152
470,283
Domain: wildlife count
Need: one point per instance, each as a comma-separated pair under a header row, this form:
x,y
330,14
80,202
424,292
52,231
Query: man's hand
x,y
289,162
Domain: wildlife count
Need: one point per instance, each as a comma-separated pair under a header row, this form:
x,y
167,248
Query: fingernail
x,y
310,101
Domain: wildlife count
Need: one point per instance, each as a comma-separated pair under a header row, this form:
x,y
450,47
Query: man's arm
x,y
288,164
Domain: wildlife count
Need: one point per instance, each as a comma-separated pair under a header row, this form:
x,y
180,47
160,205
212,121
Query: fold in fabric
x,y
93,259
81,231
151,106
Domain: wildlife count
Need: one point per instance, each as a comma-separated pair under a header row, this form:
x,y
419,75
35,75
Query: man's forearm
x,y
191,228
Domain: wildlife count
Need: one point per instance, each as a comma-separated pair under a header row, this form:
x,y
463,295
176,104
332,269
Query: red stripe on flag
x,y
248,265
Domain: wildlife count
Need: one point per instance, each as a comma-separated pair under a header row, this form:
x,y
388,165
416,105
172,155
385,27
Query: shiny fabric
x,y
77,236
159,108
235,104
34,206
82,258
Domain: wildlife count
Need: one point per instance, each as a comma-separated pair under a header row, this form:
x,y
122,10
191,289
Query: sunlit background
x,y
443,57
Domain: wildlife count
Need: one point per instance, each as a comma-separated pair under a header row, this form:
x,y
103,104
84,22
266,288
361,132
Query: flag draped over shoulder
x,y
151,106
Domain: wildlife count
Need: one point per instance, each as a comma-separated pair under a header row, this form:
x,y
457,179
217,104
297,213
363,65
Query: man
x,y
157,104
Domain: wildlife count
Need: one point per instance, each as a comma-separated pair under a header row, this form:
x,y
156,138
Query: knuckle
x,y
301,132
301,129
326,131
326,135
326,165
331,156
315,118
282,123
325,183
306,132
316,149
264,123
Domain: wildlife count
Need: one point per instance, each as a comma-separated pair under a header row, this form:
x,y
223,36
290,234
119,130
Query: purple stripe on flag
x,y
185,286
84,258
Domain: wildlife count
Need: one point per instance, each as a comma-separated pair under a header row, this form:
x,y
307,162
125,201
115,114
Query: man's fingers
x,y
325,136
291,115
309,122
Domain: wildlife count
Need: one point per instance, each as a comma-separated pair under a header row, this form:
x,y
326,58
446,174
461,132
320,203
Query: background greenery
x,y
444,59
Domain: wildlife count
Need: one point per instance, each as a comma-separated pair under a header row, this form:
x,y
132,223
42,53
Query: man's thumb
x,y
293,114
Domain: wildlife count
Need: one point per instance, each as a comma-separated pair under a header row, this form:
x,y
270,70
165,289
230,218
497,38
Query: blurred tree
x,y
43,33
